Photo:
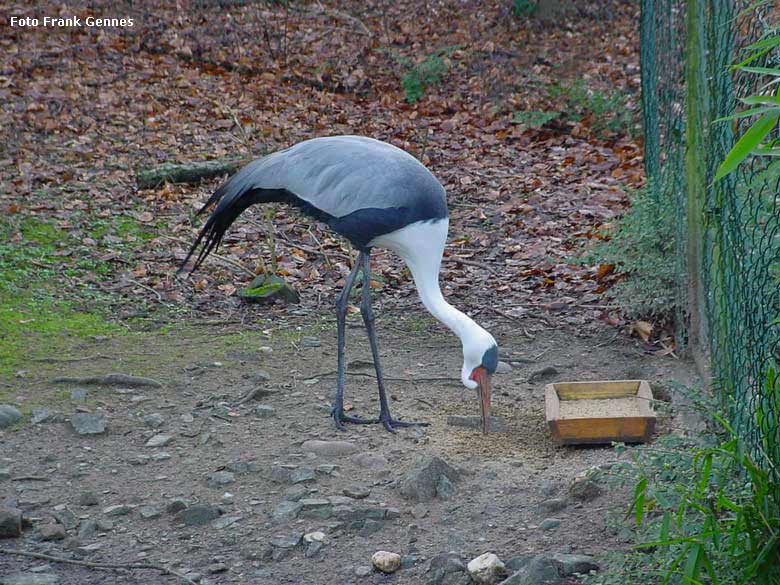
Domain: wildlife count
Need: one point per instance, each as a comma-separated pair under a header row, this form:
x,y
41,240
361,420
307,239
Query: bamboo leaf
x,y
750,140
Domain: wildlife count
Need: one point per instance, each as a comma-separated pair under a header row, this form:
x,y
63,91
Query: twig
x,y
113,566
149,288
78,359
216,256
343,16
370,375
470,263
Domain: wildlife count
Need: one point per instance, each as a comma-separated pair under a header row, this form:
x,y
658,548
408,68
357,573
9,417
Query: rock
x,y
496,424
5,473
149,512
518,562
88,529
267,289
444,488
175,505
548,487
570,564
363,571
387,562
51,531
329,448
486,569
30,578
314,542
221,478
295,493
10,522
552,505
550,523
66,518
88,498
42,415
303,475
284,545
286,511
224,521
154,420
79,395
541,570
118,510
9,415
356,492
584,488
316,536
503,368
447,562
217,568
159,440
423,482
310,342
543,374
370,527
265,411
85,423
197,515
369,460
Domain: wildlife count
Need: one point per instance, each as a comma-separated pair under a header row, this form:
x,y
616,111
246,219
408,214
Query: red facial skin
x,y
482,378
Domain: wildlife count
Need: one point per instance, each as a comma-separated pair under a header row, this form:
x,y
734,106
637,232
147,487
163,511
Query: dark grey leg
x,y
337,412
368,318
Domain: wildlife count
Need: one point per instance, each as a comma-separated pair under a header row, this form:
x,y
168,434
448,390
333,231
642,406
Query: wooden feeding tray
x,y
600,412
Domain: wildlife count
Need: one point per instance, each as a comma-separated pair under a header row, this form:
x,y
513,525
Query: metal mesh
x,y
728,233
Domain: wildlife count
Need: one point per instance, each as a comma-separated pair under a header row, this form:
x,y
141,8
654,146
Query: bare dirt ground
x,y
205,370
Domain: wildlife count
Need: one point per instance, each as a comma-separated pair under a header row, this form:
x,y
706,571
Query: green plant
x,y
427,72
534,118
642,248
703,512
607,113
521,8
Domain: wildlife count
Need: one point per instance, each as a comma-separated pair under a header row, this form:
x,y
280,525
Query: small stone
x,y
356,492
10,522
316,536
5,473
79,395
503,368
548,487
88,529
217,568
552,505
149,512
66,518
154,420
118,510
295,493
197,515
584,488
486,569
363,571
575,564
175,505
310,342
302,475
225,521
286,511
265,411
392,513
159,440
41,415
424,480
9,415
287,541
329,448
221,478
88,498
543,374
369,460
541,570
85,423
387,562
30,578
550,523
161,456
52,531
447,562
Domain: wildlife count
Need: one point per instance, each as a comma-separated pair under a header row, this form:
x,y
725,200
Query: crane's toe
x,y
391,424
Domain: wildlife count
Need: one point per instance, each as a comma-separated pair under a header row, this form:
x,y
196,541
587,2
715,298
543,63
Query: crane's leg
x,y
368,318
337,412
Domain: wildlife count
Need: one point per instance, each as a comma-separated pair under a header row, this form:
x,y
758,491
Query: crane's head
x,y
480,359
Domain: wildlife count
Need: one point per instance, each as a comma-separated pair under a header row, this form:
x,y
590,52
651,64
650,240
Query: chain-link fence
x,y
728,232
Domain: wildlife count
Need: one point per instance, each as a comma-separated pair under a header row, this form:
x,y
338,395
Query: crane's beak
x,y
483,388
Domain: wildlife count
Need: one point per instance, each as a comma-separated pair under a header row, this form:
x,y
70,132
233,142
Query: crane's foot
x,y
340,418
391,424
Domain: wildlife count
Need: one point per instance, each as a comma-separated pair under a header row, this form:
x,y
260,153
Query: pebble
x,y
9,415
154,420
503,368
10,522
550,523
175,505
552,505
118,510
363,571
52,531
42,415
486,569
424,482
85,423
217,568
571,564
387,562
356,492
265,411
149,512
161,456
329,448
225,521
221,478
88,498
197,515
159,440
316,536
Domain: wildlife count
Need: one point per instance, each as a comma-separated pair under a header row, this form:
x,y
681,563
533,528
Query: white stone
x,y
487,569
315,537
387,562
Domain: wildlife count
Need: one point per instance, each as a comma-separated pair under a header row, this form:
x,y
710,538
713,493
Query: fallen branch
x,y
68,360
109,380
111,566
370,375
186,172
